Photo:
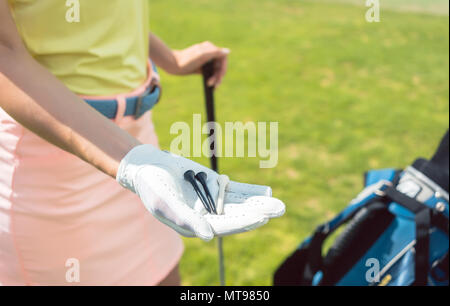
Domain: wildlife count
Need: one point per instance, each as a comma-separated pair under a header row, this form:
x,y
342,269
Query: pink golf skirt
x,y
63,222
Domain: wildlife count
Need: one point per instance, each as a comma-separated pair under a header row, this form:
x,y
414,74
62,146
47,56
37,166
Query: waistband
x,y
134,103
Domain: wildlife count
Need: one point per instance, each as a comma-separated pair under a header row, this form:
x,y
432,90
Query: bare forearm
x,y
36,99
162,55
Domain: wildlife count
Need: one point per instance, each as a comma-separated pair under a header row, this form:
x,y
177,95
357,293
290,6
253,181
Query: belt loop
x,y
121,108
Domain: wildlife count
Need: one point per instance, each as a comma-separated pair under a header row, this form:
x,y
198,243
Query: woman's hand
x,y
191,60
157,177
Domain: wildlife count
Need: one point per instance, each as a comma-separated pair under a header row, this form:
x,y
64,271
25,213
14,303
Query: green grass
x,y
438,7
348,95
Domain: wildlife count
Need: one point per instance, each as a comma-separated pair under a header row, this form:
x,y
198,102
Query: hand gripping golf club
x,y
207,72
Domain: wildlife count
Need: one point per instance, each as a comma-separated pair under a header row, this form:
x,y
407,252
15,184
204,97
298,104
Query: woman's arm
x,y
35,98
189,60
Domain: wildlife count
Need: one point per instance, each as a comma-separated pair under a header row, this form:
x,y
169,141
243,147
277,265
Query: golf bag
x,y
396,233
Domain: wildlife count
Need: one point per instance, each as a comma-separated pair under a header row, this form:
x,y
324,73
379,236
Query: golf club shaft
x,y
208,71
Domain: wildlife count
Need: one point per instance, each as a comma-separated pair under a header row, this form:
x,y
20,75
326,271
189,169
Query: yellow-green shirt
x,y
95,47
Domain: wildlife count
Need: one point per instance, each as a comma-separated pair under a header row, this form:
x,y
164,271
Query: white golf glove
x,y
158,178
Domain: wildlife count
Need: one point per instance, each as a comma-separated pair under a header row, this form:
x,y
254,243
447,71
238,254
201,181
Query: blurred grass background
x,y
348,95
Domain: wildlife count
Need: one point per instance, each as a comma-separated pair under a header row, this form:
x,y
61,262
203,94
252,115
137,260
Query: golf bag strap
x,y
423,224
314,262
423,220
440,221
437,218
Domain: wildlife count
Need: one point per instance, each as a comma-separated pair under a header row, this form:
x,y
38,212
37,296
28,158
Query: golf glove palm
x,y
157,177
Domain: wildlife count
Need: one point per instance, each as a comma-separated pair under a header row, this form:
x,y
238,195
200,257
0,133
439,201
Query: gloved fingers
x,y
228,224
187,222
202,229
236,204
182,231
249,189
163,198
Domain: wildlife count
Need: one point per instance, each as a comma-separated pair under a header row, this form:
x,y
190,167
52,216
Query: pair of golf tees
x,y
207,199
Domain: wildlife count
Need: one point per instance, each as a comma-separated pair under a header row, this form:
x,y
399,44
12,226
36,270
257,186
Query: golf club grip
x,y
207,72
